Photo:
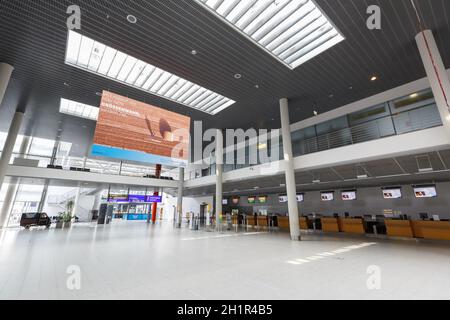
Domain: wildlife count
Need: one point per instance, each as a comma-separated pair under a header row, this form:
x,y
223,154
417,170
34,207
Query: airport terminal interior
x,y
224,149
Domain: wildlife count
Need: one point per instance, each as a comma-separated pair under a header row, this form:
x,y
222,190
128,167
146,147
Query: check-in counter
x,y
355,226
283,222
250,220
262,221
399,228
436,230
304,223
330,225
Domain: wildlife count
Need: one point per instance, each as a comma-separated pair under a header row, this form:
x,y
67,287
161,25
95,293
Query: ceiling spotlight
x,y
257,86
414,95
131,19
84,127
238,76
256,188
66,84
316,113
331,95
194,52
350,88
374,78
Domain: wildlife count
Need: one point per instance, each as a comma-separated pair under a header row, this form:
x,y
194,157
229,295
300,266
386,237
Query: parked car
x,y
35,219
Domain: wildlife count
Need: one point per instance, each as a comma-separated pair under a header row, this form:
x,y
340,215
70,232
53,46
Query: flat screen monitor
x,y
392,193
224,201
251,200
262,199
327,196
118,198
425,192
154,199
283,199
134,198
349,195
300,197
132,130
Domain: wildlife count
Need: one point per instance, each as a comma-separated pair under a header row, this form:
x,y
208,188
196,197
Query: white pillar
x,y
5,75
219,178
289,171
180,197
13,187
436,73
9,144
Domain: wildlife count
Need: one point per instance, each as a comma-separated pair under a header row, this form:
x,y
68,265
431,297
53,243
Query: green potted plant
x,y
59,221
67,216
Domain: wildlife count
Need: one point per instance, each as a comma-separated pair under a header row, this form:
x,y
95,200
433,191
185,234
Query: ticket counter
x,y
435,230
330,225
354,226
399,228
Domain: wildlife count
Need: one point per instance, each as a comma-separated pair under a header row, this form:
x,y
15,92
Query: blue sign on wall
x,y
137,217
154,199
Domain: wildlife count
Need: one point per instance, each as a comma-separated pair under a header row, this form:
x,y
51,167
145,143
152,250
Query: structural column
x,y
6,156
437,75
5,75
219,177
289,170
13,187
156,193
180,197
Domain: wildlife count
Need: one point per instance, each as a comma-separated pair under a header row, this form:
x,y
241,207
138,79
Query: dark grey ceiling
x,y
33,39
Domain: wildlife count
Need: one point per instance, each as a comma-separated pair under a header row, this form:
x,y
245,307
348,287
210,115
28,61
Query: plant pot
x,y
67,225
59,225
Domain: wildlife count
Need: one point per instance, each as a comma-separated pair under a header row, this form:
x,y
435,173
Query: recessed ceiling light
x,y
256,188
66,84
84,127
292,31
238,76
331,95
92,56
316,113
414,95
194,52
257,86
351,87
131,19
374,78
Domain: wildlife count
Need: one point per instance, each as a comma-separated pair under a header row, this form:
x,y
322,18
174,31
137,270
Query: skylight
x,y
293,31
78,109
87,54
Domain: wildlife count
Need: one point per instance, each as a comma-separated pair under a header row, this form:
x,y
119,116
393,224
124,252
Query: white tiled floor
x,y
136,261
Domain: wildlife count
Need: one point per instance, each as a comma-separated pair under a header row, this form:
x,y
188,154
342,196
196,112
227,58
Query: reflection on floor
x,y
135,261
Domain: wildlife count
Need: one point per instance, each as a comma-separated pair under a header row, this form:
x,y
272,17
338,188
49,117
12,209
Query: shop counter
x,y
330,225
399,228
283,222
262,221
436,230
355,226
235,220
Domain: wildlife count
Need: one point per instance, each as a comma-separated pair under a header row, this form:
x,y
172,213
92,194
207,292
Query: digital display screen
x,y
327,196
262,199
348,195
131,130
395,193
251,199
136,198
224,201
425,192
283,199
154,199
118,197
300,197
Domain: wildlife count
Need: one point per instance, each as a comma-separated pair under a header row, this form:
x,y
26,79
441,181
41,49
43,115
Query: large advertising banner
x,y
132,130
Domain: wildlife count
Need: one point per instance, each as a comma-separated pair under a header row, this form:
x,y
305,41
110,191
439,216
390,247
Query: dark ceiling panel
x,y
33,39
